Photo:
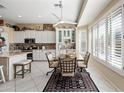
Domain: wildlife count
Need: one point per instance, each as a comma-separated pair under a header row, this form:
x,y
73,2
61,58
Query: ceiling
x,y
91,11
31,9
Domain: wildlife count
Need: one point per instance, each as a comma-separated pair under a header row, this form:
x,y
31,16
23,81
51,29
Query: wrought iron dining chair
x,y
81,57
68,66
52,62
84,63
2,74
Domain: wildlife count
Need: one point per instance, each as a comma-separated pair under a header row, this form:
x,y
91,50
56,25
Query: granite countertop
x,y
12,54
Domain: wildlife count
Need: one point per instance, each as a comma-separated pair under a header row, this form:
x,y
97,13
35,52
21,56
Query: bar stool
x,y
2,74
23,70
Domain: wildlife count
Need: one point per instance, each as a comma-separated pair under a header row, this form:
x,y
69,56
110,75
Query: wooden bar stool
x,y
2,74
23,69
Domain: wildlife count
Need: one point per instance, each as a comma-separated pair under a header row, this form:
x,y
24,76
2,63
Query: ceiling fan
x,y
60,19
1,6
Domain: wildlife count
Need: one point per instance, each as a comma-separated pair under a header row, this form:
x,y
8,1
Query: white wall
x,y
82,38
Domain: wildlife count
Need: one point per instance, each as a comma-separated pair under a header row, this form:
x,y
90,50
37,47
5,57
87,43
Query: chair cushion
x,y
80,58
24,62
68,74
50,56
81,64
53,64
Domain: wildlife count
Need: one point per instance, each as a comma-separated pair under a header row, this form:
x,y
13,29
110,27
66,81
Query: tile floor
x,y
37,79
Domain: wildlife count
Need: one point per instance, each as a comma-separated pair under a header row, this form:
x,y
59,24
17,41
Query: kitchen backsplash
x,y
28,47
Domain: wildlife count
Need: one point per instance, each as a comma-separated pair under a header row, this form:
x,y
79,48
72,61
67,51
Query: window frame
x,y
106,49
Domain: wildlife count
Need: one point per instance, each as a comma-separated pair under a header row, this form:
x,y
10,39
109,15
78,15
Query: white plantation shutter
x,y
107,37
102,40
115,38
90,40
95,40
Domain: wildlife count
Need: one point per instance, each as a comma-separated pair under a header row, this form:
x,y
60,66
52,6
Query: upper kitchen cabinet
x,y
73,36
39,36
19,36
65,39
45,37
51,37
29,33
59,36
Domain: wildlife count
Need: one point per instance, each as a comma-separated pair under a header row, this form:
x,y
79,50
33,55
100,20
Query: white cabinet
x,y
44,36
19,37
65,39
29,34
32,34
42,55
48,37
51,37
40,36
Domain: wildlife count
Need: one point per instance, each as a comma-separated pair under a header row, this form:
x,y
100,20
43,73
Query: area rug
x,y
81,82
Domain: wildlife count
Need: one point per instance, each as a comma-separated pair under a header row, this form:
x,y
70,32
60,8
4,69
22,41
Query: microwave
x,y
29,40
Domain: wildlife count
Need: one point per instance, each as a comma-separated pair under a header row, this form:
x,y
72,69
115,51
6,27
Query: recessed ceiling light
x,y
39,16
19,16
0,15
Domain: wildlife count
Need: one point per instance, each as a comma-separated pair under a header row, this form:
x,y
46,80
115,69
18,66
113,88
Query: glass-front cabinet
x,y
60,36
65,39
73,35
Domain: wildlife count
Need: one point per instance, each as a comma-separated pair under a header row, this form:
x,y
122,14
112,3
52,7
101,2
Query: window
x,y
115,38
95,41
107,39
90,40
102,40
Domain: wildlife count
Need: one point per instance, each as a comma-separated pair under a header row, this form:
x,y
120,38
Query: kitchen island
x,y
8,59
39,54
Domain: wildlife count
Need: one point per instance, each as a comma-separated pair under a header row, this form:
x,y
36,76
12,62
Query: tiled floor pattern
x,y
37,79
